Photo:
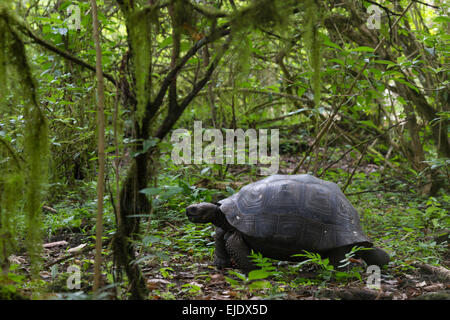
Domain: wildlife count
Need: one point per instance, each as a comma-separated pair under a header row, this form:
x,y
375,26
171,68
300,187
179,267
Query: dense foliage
x,y
367,108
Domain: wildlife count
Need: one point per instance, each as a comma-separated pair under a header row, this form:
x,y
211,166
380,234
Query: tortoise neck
x,y
221,221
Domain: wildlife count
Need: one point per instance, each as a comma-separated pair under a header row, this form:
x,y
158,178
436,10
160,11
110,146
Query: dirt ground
x,y
187,278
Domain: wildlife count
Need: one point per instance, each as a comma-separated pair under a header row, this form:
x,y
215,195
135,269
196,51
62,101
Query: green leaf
x,y
393,73
239,275
229,189
231,281
46,28
185,46
151,239
148,144
163,256
442,19
151,191
407,84
64,5
363,49
389,63
174,190
301,91
329,43
258,274
166,42
339,61
369,123
257,285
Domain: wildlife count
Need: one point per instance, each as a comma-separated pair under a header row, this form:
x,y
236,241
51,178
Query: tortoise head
x,y
202,212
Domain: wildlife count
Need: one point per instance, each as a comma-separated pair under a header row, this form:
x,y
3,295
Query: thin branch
x,y
17,157
383,7
176,36
101,147
290,114
355,167
363,142
426,4
170,119
264,92
209,12
153,106
330,120
26,30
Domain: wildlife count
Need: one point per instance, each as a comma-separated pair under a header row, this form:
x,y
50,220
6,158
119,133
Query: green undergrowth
x,y
76,213
404,224
170,247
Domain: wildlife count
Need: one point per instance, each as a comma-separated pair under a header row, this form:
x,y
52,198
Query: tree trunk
x,y
132,203
101,149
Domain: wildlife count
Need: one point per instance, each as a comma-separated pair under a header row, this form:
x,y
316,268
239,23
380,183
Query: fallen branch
x,y
55,244
70,256
74,254
49,209
27,31
441,273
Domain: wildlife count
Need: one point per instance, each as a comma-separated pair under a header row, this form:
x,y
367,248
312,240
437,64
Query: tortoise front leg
x,y
221,257
239,251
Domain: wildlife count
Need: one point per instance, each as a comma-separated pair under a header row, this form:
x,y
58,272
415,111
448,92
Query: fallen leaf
x,y
358,261
434,287
218,277
77,248
399,296
55,244
16,259
184,275
157,281
391,282
421,284
231,293
152,285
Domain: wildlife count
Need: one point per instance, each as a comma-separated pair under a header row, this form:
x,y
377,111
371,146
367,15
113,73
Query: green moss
x,y
263,13
313,17
260,14
34,146
11,189
139,25
3,58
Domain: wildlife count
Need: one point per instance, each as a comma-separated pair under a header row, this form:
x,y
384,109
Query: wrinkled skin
x,y
202,212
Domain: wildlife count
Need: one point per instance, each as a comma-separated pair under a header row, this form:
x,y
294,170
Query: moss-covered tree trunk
x,y
139,97
136,95
14,63
132,203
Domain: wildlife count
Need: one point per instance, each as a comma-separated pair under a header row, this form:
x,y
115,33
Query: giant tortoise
x,y
283,215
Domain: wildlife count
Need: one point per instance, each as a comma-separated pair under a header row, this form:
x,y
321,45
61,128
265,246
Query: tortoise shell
x,y
295,212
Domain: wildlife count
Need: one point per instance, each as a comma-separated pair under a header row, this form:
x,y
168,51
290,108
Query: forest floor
x,y
176,256
173,271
